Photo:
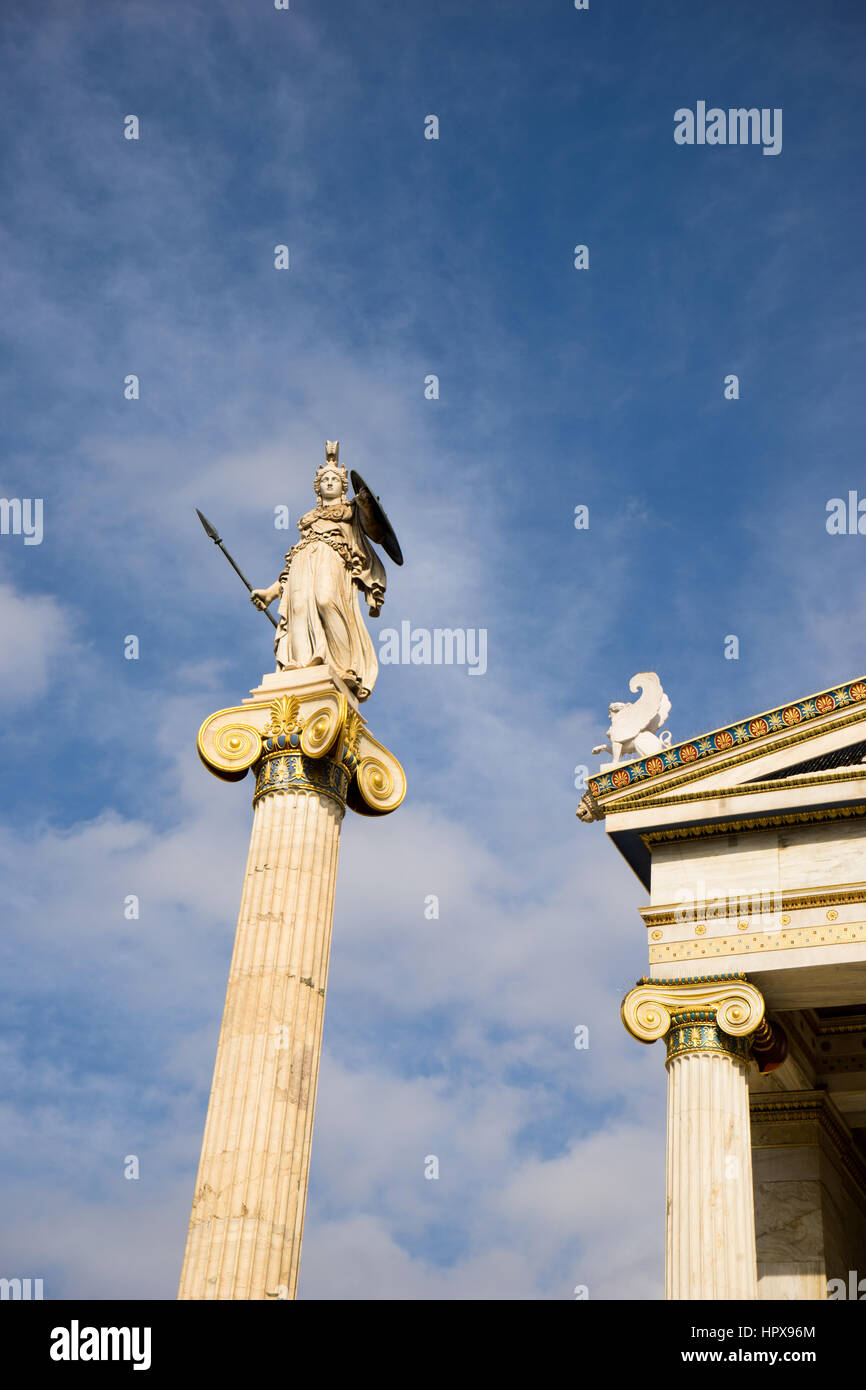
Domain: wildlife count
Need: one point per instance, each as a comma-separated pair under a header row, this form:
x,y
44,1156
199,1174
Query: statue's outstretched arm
x,y
262,597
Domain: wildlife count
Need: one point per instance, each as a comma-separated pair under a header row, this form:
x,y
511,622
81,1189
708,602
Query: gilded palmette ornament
x,y
284,716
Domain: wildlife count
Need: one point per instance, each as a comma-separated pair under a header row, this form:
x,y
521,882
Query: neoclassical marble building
x,y
751,843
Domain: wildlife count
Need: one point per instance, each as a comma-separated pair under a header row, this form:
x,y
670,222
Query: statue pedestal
x,y
301,734
306,680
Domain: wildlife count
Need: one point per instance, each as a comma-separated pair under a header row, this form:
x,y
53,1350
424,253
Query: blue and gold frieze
x,y
686,754
703,1035
286,770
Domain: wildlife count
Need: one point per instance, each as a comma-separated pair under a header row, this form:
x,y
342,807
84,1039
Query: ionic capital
x,y
713,1014
306,738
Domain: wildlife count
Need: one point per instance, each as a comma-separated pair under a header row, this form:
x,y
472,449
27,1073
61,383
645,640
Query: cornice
x,y
748,904
736,827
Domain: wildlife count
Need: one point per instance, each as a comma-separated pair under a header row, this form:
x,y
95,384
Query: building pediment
x,y
803,759
818,737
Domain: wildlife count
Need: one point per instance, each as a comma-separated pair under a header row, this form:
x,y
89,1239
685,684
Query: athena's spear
x,y
214,535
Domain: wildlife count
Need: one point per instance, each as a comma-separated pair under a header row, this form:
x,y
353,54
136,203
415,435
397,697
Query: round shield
x,y
380,529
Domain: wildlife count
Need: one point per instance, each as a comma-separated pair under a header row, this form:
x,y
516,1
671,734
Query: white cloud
x,y
37,644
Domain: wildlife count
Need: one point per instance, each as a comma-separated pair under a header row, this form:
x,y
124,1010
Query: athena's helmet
x,y
332,461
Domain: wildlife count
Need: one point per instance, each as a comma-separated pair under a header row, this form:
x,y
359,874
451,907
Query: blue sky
x,y
557,387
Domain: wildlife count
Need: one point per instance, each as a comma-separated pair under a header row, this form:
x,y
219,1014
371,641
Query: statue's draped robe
x,y
320,620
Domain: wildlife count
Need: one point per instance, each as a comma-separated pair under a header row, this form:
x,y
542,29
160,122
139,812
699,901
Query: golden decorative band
x,y
790,939
737,827
768,902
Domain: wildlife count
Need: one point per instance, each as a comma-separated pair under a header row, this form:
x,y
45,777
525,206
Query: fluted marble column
x,y
247,1220
710,1227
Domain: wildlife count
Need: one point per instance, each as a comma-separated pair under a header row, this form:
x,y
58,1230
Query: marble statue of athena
x,y
326,571
313,757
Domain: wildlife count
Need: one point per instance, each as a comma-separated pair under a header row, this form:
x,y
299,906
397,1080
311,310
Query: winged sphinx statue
x,y
633,731
325,573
